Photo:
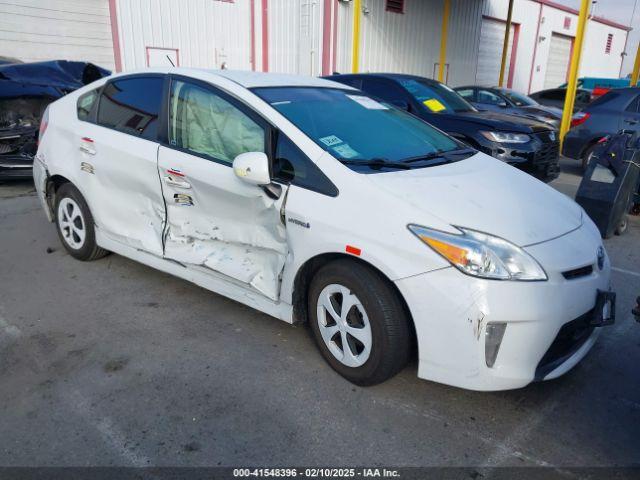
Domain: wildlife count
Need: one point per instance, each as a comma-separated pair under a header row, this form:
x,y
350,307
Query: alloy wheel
x,y
71,223
344,325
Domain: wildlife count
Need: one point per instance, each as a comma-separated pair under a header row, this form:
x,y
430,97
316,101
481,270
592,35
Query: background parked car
x,y
25,91
496,99
527,144
614,111
554,97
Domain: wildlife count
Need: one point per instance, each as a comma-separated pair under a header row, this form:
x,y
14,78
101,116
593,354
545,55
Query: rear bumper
x,y
451,312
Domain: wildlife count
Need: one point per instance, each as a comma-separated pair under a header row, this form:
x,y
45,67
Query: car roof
x,y
246,79
249,79
391,76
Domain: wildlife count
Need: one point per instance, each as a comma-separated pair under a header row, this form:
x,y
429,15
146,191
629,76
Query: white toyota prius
x,y
311,201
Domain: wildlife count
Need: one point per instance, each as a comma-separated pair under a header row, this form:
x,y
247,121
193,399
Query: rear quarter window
x,y
86,104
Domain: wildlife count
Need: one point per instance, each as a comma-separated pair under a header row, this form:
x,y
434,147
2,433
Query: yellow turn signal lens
x,y
456,255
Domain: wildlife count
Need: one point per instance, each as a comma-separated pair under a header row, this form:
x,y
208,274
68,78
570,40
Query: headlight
x,y
506,137
481,255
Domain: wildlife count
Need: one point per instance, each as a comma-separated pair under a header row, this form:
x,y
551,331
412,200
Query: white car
x,y
311,201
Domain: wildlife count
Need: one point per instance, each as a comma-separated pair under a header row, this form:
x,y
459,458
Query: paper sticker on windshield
x,y
367,102
345,151
331,140
434,105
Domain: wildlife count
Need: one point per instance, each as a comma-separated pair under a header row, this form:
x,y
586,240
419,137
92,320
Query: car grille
x,y
570,338
550,149
578,272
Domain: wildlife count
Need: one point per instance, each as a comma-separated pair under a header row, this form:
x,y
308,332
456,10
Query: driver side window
x,y
205,124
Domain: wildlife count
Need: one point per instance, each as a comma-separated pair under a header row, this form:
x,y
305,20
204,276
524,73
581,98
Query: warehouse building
x,y
315,37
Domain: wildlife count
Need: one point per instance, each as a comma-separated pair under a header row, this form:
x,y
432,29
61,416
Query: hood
x,y
504,122
485,194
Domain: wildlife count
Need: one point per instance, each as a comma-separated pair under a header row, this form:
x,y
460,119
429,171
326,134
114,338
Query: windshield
x,y
518,99
355,128
437,97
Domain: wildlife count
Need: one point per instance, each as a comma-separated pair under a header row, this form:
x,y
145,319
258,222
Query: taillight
x,y
579,118
44,123
599,91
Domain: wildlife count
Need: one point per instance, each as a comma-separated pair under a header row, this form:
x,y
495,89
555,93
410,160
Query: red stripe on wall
x,y
535,49
252,19
265,35
115,36
514,54
326,38
335,35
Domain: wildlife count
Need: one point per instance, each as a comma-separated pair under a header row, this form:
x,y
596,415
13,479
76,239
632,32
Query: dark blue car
x,y
616,110
527,144
505,100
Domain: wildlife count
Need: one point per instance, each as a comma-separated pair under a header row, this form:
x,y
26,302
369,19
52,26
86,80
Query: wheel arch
x,y
53,184
306,272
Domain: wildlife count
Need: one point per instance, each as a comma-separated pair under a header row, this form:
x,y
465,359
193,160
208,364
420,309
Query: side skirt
x,y
212,281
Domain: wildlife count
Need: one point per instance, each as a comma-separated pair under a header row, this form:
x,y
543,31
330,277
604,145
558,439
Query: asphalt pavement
x,y
114,363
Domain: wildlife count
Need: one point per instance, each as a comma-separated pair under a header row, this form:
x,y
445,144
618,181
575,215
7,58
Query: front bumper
x,y
451,312
539,157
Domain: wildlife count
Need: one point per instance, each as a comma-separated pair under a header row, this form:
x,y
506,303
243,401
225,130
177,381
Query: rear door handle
x,y
86,146
177,182
631,121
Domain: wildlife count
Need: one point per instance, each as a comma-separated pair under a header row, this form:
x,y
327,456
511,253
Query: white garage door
x,y
490,52
558,63
37,30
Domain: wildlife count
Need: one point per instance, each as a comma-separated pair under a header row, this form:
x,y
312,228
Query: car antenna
x,y
170,61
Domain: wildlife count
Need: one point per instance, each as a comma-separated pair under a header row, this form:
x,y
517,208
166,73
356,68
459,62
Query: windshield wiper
x,y
445,156
375,163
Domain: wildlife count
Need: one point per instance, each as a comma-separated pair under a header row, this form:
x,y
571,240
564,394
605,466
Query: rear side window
x,y
466,93
132,105
290,165
86,103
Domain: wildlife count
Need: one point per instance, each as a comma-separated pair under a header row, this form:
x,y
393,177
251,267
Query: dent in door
x,y
247,243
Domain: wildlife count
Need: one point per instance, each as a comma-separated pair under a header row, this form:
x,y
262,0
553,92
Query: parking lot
x,y
114,363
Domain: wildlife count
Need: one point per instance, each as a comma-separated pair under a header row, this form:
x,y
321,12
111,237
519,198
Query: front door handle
x,y
177,182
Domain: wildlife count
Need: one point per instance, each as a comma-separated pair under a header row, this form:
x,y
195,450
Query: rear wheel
x,y
75,224
359,322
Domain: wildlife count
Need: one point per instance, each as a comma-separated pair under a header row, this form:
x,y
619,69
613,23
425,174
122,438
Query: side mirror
x,y
401,104
253,168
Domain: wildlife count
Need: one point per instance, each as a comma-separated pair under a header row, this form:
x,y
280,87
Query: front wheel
x,y
586,157
359,322
75,224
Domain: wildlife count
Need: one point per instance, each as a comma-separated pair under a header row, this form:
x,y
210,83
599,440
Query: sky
x,y
618,11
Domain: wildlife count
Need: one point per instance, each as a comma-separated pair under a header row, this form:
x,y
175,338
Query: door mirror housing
x,y
253,168
401,104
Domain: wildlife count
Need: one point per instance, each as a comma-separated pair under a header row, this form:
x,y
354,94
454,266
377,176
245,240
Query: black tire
x,y
586,156
88,249
623,226
389,323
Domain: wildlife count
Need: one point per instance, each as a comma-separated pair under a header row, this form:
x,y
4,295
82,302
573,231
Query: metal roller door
x,y
490,52
36,30
558,62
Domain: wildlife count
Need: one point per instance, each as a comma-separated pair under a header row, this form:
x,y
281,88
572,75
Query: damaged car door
x,y
216,222
117,158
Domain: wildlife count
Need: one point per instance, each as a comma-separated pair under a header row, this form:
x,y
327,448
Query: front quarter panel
x,y
361,216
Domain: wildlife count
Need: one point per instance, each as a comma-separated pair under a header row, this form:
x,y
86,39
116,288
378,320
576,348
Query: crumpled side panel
x,y
246,242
